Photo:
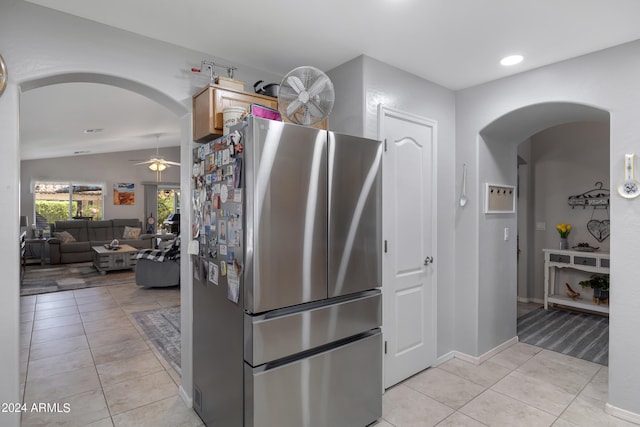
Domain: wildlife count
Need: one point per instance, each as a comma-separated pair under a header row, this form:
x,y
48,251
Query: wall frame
x,y
499,198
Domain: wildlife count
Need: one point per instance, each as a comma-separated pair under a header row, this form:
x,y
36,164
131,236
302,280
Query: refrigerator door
x,y
327,389
286,215
355,214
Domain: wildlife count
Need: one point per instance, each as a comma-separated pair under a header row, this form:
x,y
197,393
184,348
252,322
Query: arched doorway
x,y
499,142
182,116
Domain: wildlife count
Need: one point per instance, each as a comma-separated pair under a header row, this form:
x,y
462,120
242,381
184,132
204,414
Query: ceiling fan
x,y
157,164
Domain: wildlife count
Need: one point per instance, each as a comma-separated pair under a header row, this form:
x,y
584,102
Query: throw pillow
x,y
64,236
131,232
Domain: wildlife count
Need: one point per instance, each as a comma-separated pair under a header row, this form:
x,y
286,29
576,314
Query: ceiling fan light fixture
x,y
157,166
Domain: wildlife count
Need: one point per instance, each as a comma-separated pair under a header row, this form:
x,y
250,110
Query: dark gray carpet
x,y
581,335
162,326
62,277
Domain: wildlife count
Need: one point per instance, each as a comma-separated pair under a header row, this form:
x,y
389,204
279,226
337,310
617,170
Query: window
x,y
168,203
60,201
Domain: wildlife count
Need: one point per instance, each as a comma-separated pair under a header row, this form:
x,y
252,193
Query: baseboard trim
x,y
622,413
440,360
185,397
477,360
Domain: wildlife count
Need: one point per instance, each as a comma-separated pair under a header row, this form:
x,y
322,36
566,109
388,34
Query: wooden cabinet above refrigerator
x,y
211,100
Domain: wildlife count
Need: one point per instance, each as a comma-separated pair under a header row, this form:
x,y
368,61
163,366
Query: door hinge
x,y
385,347
385,145
385,246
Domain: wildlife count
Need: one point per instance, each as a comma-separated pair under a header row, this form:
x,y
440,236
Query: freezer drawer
x,y
338,387
269,337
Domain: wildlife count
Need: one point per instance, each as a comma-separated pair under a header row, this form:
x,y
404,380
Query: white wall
x,y
39,45
566,160
607,80
348,109
382,83
105,169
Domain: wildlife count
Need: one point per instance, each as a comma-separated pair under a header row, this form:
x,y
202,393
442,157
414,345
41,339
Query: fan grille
x,y
306,96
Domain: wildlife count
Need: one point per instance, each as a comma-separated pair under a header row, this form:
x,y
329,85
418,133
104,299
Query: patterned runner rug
x,y
62,277
162,326
581,335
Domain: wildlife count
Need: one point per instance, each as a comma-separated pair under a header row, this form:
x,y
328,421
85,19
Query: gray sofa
x,y
92,233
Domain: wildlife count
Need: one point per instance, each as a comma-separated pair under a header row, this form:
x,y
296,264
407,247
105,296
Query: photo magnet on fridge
x,y
213,273
223,268
224,193
237,172
222,231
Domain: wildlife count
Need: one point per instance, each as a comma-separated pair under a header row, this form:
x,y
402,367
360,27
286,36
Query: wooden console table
x,y
591,262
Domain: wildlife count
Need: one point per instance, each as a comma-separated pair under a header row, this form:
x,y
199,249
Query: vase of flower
x,y
564,230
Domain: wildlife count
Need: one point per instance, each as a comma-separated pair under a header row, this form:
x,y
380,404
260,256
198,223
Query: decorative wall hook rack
x,y
595,198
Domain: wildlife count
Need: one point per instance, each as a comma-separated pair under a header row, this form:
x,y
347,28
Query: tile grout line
x,y
95,366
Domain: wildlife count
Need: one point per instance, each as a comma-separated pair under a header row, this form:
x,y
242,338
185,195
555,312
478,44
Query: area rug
x,y
63,277
162,327
581,335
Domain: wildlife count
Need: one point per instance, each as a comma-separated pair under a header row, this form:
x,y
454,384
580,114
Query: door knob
x,y
428,260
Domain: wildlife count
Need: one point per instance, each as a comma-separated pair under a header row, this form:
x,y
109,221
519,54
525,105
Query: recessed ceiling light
x,y
81,152
511,60
93,130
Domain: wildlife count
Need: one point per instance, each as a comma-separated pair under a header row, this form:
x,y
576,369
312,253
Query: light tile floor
x,y
83,348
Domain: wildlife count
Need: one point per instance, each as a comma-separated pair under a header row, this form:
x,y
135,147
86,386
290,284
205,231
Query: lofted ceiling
x,y
454,43
88,118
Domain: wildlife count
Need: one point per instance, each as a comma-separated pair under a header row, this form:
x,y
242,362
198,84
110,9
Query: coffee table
x,y
109,259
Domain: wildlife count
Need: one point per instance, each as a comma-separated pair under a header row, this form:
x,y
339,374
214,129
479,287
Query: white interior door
x,y
408,194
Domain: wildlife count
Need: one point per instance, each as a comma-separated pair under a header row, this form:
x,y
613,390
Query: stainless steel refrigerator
x,y
287,305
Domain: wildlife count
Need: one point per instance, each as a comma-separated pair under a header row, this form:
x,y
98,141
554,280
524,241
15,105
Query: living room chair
x,y
157,268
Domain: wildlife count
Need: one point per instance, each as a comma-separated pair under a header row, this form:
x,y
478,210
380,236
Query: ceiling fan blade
x,y
144,163
169,162
295,83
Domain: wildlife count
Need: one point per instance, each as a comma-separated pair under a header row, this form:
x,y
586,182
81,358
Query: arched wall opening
x,y
498,163
182,112
147,91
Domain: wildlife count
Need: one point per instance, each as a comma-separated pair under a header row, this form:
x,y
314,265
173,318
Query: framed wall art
x,y
124,193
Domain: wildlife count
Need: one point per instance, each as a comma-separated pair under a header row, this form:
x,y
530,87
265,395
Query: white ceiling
x,y
53,120
454,43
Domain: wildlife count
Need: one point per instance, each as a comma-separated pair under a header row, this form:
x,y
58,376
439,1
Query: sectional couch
x,y
75,245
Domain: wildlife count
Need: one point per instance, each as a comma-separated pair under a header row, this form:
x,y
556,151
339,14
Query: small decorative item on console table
x,y
555,259
564,230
